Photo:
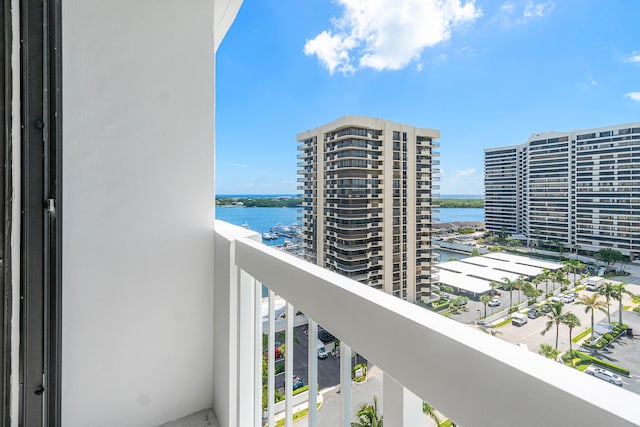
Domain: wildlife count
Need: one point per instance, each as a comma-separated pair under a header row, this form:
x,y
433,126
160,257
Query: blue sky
x,y
485,73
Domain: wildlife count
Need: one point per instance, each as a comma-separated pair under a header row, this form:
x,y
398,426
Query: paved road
x,y
328,369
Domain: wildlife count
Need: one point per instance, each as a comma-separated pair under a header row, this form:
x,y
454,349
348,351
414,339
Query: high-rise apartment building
x,y
368,193
579,188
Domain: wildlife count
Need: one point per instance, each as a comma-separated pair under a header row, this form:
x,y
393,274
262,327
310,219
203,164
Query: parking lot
x,y
328,369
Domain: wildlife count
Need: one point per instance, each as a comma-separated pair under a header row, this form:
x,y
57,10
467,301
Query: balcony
x,y
458,370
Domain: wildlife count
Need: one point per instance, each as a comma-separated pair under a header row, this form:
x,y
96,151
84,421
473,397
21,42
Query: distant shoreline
x,y
289,201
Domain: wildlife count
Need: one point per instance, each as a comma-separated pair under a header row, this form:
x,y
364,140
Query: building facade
x,y
578,189
368,191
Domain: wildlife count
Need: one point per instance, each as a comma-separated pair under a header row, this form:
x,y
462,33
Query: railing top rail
x,y
459,370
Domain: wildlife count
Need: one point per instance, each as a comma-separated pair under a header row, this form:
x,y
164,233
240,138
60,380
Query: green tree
x,y
529,291
574,265
509,285
620,290
556,317
608,291
546,275
608,256
368,415
571,321
557,277
485,299
430,412
591,304
494,285
548,351
536,281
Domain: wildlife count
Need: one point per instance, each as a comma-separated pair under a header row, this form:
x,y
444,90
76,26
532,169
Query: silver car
x,y
603,374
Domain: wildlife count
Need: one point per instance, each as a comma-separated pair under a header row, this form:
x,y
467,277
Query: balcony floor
x,y
204,418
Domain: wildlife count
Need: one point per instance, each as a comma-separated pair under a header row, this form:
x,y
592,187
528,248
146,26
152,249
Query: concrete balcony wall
x,y
138,206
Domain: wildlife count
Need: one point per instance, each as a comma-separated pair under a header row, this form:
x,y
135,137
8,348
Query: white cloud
x,y
634,57
537,10
466,172
634,96
419,66
589,83
387,35
515,13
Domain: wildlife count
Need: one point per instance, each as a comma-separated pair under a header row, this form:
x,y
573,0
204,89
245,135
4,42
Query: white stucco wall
x,y
138,209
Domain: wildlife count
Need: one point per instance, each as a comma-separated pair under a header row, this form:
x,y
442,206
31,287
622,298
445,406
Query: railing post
x,y
313,373
246,350
288,370
345,384
271,371
257,363
400,406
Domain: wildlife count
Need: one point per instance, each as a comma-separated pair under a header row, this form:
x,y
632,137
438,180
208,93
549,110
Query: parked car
x,y
568,299
324,335
322,351
603,374
545,308
533,313
554,300
494,302
277,354
518,319
297,382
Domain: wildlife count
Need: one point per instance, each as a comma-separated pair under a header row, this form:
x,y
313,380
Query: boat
x,y
268,236
245,225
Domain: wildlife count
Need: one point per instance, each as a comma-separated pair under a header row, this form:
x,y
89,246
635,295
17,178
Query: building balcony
x,y
468,371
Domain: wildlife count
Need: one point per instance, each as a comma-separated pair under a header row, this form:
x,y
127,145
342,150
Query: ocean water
x,y
263,219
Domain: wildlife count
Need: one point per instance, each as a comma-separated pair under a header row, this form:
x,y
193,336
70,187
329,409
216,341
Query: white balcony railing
x,y
473,378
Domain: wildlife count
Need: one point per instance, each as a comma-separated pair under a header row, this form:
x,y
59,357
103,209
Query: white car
x,y
603,374
494,302
568,299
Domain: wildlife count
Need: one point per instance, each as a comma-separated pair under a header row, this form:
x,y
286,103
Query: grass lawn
x,y
502,323
581,335
297,416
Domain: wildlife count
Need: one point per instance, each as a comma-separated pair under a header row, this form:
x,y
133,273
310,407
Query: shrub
x,y
608,337
531,302
301,390
364,372
637,309
590,359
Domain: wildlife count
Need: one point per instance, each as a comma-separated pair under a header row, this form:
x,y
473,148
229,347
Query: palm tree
x,y
485,299
591,303
557,277
494,285
546,275
608,291
368,415
574,265
536,281
620,289
509,285
431,412
571,321
556,316
529,291
549,352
